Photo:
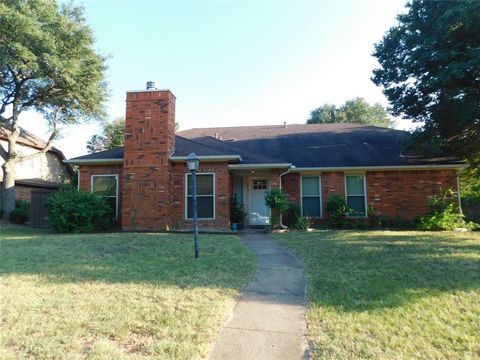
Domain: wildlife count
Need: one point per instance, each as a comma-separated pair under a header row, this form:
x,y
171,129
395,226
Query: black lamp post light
x,y
193,162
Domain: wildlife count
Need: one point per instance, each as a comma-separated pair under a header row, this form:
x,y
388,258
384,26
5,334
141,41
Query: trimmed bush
x,y
337,211
72,211
291,216
277,200
21,213
303,223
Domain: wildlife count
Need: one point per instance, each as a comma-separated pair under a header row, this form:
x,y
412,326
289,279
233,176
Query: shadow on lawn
x,y
355,272
128,258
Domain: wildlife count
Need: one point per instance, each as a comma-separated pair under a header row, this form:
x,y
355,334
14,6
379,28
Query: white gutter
x,y
258,166
280,183
207,158
385,168
93,161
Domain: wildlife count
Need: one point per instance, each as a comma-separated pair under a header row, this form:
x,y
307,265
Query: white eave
x,y
383,168
93,161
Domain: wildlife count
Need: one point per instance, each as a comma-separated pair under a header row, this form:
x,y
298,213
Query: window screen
x,y
205,196
311,196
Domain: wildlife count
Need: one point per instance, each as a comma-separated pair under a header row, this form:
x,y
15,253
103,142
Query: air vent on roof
x,y
151,85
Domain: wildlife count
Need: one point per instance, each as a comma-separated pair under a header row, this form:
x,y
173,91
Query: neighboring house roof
x,y
305,146
26,138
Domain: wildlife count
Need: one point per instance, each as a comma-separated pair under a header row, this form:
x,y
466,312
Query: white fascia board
x,y
207,158
93,161
259,166
385,168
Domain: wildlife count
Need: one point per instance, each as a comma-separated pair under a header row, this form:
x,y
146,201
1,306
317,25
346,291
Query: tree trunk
x,y
8,187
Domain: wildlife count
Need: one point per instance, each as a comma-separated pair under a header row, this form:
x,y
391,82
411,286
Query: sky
x,y
235,63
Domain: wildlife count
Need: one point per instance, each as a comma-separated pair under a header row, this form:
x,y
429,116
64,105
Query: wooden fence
x,y
38,211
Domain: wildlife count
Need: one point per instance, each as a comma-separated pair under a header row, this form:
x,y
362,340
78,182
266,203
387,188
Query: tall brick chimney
x,y
149,141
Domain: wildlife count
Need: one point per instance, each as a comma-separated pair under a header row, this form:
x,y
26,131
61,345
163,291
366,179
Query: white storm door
x,y
259,211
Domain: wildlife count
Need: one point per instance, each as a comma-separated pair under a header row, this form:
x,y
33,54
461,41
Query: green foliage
x,y
444,214
430,73
113,134
237,211
78,212
48,62
470,187
277,200
292,215
356,111
21,213
337,211
303,223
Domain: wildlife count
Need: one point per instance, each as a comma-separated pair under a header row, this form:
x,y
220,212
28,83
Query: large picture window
x,y
355,191
205,196
311,197
106,186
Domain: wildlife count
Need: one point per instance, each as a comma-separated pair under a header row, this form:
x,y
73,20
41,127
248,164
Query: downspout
x,y
284,173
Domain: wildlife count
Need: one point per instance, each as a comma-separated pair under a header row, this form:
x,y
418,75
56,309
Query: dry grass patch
x,y
122,296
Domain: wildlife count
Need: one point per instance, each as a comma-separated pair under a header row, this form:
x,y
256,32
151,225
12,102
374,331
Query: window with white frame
x,y
311,196
106,186
205,196
356,196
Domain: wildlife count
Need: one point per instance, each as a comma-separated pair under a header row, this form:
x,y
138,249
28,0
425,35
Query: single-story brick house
x,y
146,180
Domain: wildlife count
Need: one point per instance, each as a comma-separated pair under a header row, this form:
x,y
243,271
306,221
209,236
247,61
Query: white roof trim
x,y
207,158
386,168
93,161
259,166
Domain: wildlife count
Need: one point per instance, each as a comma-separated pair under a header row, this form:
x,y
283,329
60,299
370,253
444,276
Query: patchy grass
x,y
380,294
116,296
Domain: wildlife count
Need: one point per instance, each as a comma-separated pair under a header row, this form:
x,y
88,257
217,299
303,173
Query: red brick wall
x,y
291,186
223,194
149,140
85,178
405,194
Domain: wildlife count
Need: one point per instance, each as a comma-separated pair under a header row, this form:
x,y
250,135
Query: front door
x,y
259,211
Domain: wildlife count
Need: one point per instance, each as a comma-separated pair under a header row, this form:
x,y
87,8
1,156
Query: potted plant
x,y
237,214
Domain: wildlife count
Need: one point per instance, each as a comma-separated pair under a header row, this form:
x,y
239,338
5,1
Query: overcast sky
x,y
236,63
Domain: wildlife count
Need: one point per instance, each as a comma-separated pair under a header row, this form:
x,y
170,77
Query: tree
x,y
355,111
113,134
47,64
430,73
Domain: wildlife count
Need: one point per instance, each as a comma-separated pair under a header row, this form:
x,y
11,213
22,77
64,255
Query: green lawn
x,y
116,296
394,295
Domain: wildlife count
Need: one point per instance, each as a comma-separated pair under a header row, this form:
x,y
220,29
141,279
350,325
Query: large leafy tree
x,y
48,64
113,134
430,72
355,111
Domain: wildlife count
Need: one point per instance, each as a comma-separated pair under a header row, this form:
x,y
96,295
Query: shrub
x,y
78,212
292,215
277,200
303,223
21,213
337,211
444,214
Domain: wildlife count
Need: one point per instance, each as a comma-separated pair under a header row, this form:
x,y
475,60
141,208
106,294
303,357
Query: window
x,y
355,190
205,196
106,186
260,184
311,196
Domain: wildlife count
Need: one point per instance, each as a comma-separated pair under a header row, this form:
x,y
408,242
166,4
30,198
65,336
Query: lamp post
x,y
192,163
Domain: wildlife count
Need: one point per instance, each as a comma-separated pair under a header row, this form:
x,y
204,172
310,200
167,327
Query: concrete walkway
x,y
268,322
